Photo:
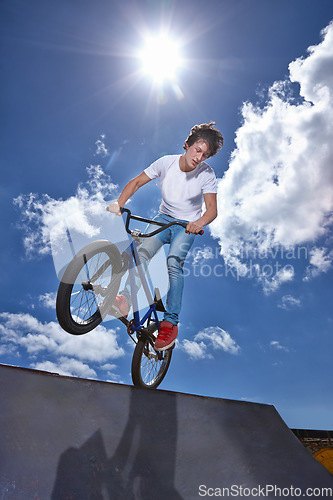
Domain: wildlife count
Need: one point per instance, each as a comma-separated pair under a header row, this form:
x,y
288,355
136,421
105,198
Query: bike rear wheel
x,y
148,367
88,287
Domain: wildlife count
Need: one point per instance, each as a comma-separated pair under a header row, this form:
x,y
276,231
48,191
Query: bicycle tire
x,y
147,370
81,305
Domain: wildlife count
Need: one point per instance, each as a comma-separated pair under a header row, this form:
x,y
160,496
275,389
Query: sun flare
x,y
161,59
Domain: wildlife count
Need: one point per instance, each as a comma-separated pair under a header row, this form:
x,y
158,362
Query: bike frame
x,y
138,323
135,265
155,303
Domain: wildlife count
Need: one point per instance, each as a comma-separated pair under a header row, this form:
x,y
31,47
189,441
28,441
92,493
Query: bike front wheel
x,y
88,287
148,367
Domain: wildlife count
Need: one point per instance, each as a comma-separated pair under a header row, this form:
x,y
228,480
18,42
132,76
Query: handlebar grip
x,y
121,210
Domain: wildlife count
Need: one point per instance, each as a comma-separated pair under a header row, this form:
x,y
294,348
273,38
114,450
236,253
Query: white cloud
x,y
278,190
320,262
101,149
203,254
218,339
67,367
24,334
108,367
45,220
210,339
276,345
271,283
48,300
289,302
99,345
8,349
196,350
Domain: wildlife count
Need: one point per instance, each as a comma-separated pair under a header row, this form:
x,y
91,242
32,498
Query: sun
x,y
161,59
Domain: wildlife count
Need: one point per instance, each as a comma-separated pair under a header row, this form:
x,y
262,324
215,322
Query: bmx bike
x,y
88,289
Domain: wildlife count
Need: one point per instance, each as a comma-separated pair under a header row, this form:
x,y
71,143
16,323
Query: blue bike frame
x,y
135,263
155,303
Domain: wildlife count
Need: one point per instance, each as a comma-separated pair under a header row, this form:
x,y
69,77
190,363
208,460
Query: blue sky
x,y
79,119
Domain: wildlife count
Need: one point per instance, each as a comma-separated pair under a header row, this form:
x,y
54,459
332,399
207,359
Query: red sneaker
x,y
121,306
167,334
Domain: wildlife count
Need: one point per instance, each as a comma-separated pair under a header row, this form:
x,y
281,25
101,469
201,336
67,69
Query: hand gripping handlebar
x,y
139,234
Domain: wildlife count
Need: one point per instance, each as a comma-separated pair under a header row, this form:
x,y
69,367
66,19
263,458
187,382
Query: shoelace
x,y
164,332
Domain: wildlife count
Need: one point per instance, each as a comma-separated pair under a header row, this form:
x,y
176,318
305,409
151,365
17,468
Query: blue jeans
x,y
180,243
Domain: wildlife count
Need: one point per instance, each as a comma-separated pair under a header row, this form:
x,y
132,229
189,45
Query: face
x,y
197,153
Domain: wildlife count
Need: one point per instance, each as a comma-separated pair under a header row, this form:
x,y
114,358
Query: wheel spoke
x,y
89,284
84,303
152,368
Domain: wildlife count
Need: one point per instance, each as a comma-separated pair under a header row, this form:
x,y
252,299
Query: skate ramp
x,y
68,438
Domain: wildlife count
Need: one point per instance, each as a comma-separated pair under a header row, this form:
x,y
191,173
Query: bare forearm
x,y
208,216
131,187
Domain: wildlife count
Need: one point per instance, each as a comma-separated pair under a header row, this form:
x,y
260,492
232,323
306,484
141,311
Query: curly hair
x,y
207,132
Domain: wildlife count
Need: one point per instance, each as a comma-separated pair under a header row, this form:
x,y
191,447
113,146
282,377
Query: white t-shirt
x,y
182,192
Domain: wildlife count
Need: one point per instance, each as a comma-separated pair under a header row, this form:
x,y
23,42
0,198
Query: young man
x,y
185,180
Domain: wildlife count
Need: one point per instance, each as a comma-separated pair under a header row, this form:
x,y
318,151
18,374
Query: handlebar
x,y
139,234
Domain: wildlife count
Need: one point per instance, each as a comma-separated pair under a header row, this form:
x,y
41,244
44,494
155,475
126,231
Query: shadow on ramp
x,y
142,465
67,438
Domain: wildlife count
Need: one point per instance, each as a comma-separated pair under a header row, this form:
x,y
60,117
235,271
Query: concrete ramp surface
x,y
67,438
